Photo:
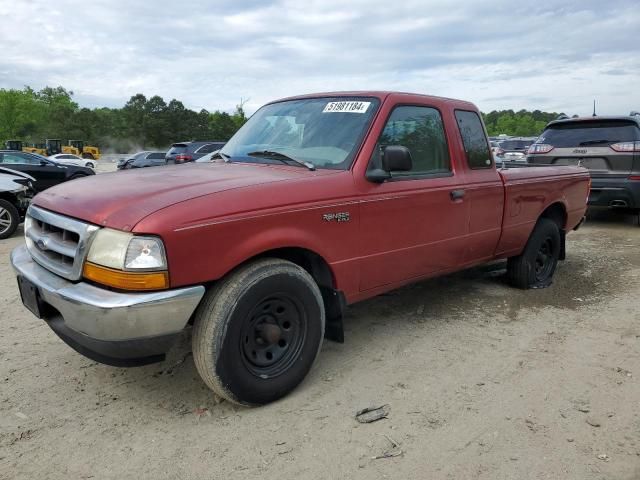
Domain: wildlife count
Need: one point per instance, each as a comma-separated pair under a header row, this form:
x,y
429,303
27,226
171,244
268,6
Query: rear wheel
x,y
9,219
88,155
90,165
258,332
535,267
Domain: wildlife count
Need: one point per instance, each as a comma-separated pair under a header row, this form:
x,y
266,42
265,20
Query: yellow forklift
x,y
77,147
39,148
54,146
13,145
50,147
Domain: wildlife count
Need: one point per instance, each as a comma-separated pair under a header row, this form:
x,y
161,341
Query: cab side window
x,y
420,129
18,158
474,140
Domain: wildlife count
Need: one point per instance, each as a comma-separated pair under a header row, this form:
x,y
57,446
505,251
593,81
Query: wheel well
x,y
310,261
9,197
557,213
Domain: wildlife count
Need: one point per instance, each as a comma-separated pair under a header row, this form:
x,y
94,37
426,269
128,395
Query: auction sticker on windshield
x,y
346,107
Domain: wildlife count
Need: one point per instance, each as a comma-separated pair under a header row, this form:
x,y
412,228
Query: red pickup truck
x,y
318,202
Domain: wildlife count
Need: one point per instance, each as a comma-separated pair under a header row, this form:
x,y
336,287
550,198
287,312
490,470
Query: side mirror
x,y
394,158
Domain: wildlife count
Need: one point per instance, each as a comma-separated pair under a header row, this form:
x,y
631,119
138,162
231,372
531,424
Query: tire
x,y
9,219
258,331
534,268
90,165
88,156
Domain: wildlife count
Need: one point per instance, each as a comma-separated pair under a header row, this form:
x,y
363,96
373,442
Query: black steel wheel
x,y
534,268
258,331
545,261
273,335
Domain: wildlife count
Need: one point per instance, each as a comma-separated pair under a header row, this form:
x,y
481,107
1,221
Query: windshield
x,y
325,132
577,134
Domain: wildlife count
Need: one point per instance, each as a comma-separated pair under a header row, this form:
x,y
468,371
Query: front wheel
x,y
258,332
534,268
90,165
9,219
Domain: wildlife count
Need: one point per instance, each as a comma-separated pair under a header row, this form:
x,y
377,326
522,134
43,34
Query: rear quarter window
x,y
474,139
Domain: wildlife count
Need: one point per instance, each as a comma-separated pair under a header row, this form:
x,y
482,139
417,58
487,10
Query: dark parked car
x,y
608,146
514,149
16,190
46,172
184,152
142,159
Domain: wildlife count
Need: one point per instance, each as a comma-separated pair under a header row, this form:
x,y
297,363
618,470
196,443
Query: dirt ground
x,y
481,380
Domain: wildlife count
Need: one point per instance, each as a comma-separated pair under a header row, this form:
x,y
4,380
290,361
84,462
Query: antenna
x,y
594,107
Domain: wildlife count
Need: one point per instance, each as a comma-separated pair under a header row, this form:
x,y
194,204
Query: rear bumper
x,y
614,192
121,329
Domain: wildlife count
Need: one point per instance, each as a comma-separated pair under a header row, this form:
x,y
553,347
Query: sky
x,y
548,55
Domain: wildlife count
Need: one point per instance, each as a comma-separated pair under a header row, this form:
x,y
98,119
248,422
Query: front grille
x,y
58,243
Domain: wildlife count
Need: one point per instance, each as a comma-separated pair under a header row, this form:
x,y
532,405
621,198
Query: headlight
x,y
128,262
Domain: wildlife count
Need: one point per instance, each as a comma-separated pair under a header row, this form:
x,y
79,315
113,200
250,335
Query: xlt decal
x,y
580,150
336,217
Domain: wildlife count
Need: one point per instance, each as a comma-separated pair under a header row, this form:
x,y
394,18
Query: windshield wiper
x,y
282,157
596,142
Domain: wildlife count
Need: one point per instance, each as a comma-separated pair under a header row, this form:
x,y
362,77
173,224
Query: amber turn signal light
x,y
125,280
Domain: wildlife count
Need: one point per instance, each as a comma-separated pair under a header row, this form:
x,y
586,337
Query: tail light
x,y
181,157
539,148
626,147
634,177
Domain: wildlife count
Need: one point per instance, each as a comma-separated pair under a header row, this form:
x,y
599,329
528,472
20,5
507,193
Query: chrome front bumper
x,y
111,327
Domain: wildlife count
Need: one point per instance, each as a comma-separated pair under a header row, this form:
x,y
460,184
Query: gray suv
x,y
141,160
608,146
184,152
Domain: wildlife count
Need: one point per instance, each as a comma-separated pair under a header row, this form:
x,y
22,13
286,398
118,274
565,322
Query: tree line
x,y
522,123
152,123
142,123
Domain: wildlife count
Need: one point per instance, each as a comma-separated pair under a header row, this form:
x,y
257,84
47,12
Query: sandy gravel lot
x,y
482,381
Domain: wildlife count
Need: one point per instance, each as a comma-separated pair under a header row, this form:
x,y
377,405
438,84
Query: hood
x,y
120,200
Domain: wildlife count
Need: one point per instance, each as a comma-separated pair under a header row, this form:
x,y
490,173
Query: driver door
x,y
414,224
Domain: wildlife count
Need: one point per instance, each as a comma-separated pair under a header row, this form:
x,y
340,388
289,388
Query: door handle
x,y
457,194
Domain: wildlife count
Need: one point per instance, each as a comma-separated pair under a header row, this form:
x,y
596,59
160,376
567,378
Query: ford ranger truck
x,y
317,202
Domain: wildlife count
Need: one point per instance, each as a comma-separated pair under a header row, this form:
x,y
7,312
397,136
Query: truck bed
x,y
527,192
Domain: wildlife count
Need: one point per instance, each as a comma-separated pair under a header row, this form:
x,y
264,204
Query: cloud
x,y
554,55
